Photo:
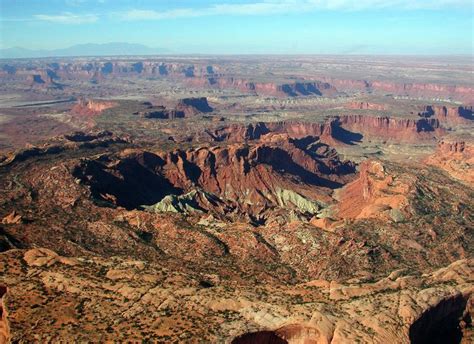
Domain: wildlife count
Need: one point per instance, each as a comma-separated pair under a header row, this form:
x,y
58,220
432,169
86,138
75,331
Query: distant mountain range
x,y
90,49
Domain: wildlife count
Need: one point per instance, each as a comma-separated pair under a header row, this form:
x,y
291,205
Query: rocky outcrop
x,y
425,90
441,322
365,106
387,128
336,131
63,143
456,158
278,172
376,193
401,307
4,326
12,218
448,114
42,80
161,112
254,131
195,201
290,89
192,106
186,107
91,107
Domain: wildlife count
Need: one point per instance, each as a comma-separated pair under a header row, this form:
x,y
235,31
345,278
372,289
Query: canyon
x,y
202,74
236,199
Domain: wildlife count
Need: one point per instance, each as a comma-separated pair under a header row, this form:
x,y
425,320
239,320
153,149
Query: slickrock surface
x,y
92,299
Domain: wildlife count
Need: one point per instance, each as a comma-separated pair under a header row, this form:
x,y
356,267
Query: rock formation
x,y
375,193
133,298
427,90
186,107
365,106
191,106
291,89
449,115
339,130
42,80
252,225
63,143
399,129
456,158
91,107
237,178
161,112
4,326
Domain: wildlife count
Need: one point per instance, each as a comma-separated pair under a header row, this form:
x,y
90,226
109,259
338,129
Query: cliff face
x,y
290,89
462,93
42,80
204,75
406,130
456,158
244,179
162,113
365,106
254,131
186,107
424,89
192,106
449,115
374,194
337,131
91,107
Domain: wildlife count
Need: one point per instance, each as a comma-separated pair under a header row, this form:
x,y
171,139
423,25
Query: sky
x,y
245,26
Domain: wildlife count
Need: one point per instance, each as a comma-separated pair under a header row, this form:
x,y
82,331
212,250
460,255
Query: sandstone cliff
x,y
456,158
400,129
448,114
91,106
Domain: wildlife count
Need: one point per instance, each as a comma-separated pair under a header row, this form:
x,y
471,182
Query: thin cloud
x,y
156,15
269,7
68,18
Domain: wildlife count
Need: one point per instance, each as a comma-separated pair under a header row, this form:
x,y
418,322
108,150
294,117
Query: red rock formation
x,y
42,80
162,112
186,107
374,194
337,131
254,131
250,179
193,106
400,129
425,90
462,93
91,107
365,106
252,175
12,218
4,326
456,158
303,88
450,115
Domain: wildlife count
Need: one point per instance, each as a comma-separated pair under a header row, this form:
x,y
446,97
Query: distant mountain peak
x,y
84,49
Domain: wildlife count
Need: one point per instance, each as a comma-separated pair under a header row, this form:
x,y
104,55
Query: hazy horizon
x,y
210,27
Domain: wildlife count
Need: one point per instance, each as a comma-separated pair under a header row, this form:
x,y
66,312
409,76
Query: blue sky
x,y
245,26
